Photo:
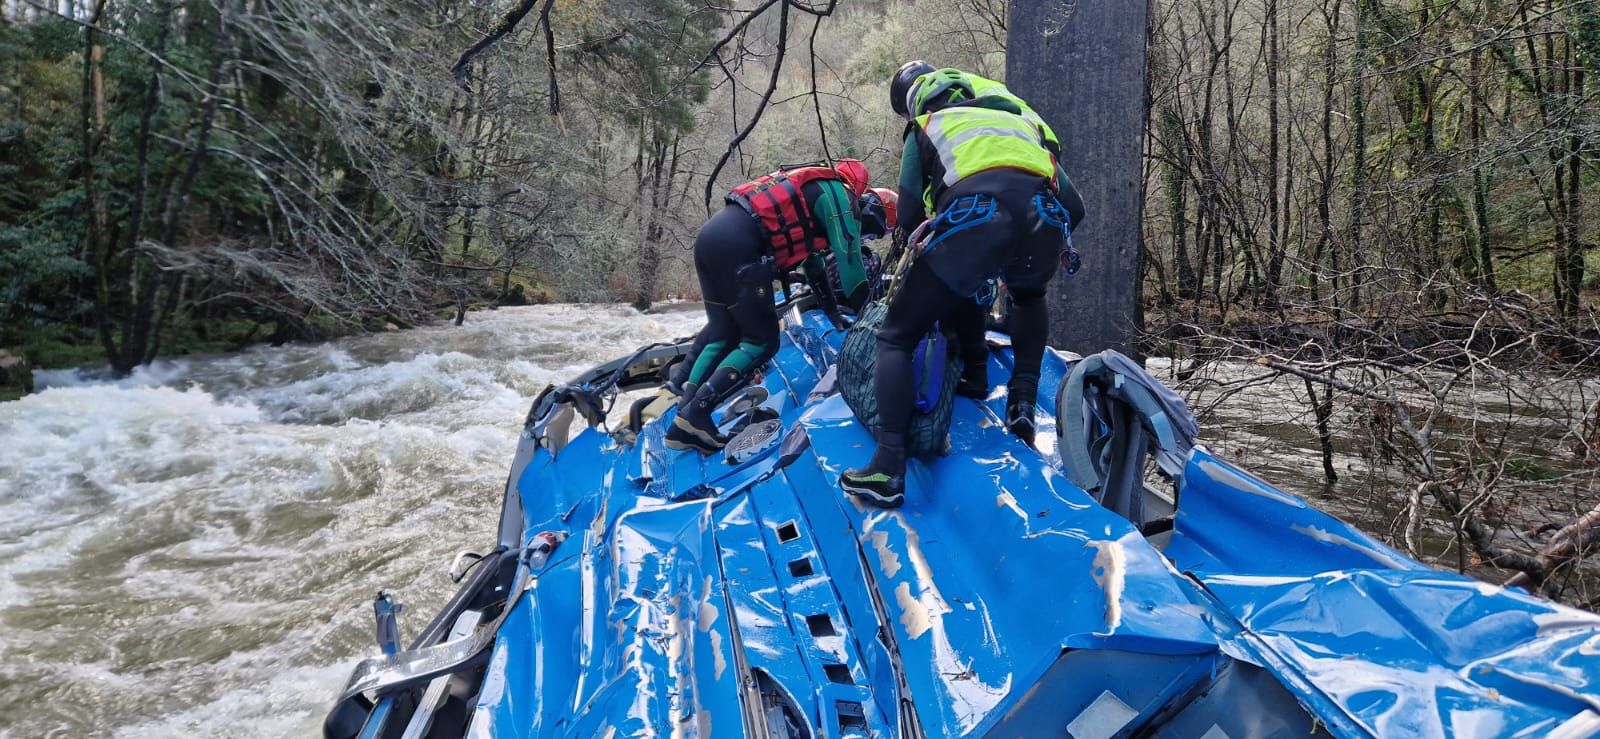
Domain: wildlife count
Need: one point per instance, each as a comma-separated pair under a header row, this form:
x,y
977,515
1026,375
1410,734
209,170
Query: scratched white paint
x,y
937,606
972,697
1110,570
913,614
1328,537
1007,500
886,554
719,662
1565,619
708,611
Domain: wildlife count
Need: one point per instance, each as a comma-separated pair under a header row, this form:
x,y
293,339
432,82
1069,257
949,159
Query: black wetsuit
x,y
732,259
1004,235
736,276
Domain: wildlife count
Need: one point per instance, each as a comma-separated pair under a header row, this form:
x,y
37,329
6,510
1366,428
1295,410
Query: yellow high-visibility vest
x,y
985,87
971,140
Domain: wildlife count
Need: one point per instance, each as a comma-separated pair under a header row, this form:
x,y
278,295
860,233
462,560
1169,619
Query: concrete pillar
x,y
1081,65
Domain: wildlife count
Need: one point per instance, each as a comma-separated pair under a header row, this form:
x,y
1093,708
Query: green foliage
x,y
302,168
948,33
1532,470
55,345
41,209
1586,32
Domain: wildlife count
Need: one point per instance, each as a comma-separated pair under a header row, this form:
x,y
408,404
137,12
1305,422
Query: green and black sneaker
x,y
685,435
882,489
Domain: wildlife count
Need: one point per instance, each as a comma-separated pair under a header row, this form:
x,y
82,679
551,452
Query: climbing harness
x,y
1055,215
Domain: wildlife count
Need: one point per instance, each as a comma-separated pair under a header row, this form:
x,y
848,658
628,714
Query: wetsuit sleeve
x,y
834,209
912,213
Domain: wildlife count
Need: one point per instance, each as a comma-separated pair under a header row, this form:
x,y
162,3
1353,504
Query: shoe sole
x,y
873,497
684,446
697,439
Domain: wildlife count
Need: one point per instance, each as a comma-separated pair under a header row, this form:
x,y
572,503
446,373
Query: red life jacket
x,y
777,202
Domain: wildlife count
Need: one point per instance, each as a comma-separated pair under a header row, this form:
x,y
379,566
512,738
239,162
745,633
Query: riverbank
x,y
1504,327
1467,440
64,347
16,376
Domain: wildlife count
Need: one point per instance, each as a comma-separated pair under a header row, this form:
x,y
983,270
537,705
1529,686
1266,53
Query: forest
x,y
1377,204
181,175
199,175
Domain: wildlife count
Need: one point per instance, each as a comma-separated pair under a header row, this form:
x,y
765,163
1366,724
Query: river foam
x,y
192,550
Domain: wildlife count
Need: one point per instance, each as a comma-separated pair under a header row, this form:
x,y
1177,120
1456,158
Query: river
x,y
192,551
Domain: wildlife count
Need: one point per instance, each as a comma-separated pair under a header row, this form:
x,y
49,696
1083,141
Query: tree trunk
x,y
1351,245
470,195
144,279
1275,241
1572,263
1329,163
1322,408
93,123
1174,175
650,246
198,145
1571,544
1483,258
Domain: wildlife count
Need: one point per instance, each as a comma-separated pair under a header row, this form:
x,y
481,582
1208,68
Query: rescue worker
x,y
980,160
768,227
878,212
877,208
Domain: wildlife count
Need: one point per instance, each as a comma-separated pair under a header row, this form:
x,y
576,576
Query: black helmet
x,y
900,85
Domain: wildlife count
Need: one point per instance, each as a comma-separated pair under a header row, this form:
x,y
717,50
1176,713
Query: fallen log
x,y
1572,543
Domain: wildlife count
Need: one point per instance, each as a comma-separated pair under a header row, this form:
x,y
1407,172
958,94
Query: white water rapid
x,y
193,551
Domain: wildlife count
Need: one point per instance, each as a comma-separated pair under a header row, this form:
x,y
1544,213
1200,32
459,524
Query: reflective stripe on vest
x,y
984,87
973,140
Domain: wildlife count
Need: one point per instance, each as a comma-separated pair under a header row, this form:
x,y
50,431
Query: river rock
x,y
15,372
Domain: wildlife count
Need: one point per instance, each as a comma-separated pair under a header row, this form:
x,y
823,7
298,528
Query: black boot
x,y
678,380
1022,392
883,481
694,427
974,381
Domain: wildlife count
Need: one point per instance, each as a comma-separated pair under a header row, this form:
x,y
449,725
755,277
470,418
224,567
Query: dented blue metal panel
x,y
1397,648
1427,654
699,598
994,571
1230,521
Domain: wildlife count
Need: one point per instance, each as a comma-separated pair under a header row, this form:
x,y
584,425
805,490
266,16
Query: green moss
x,y
60,346
1532,470
9,393
222,335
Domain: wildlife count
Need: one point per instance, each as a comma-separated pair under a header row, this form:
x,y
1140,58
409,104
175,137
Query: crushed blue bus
x,y
640,591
